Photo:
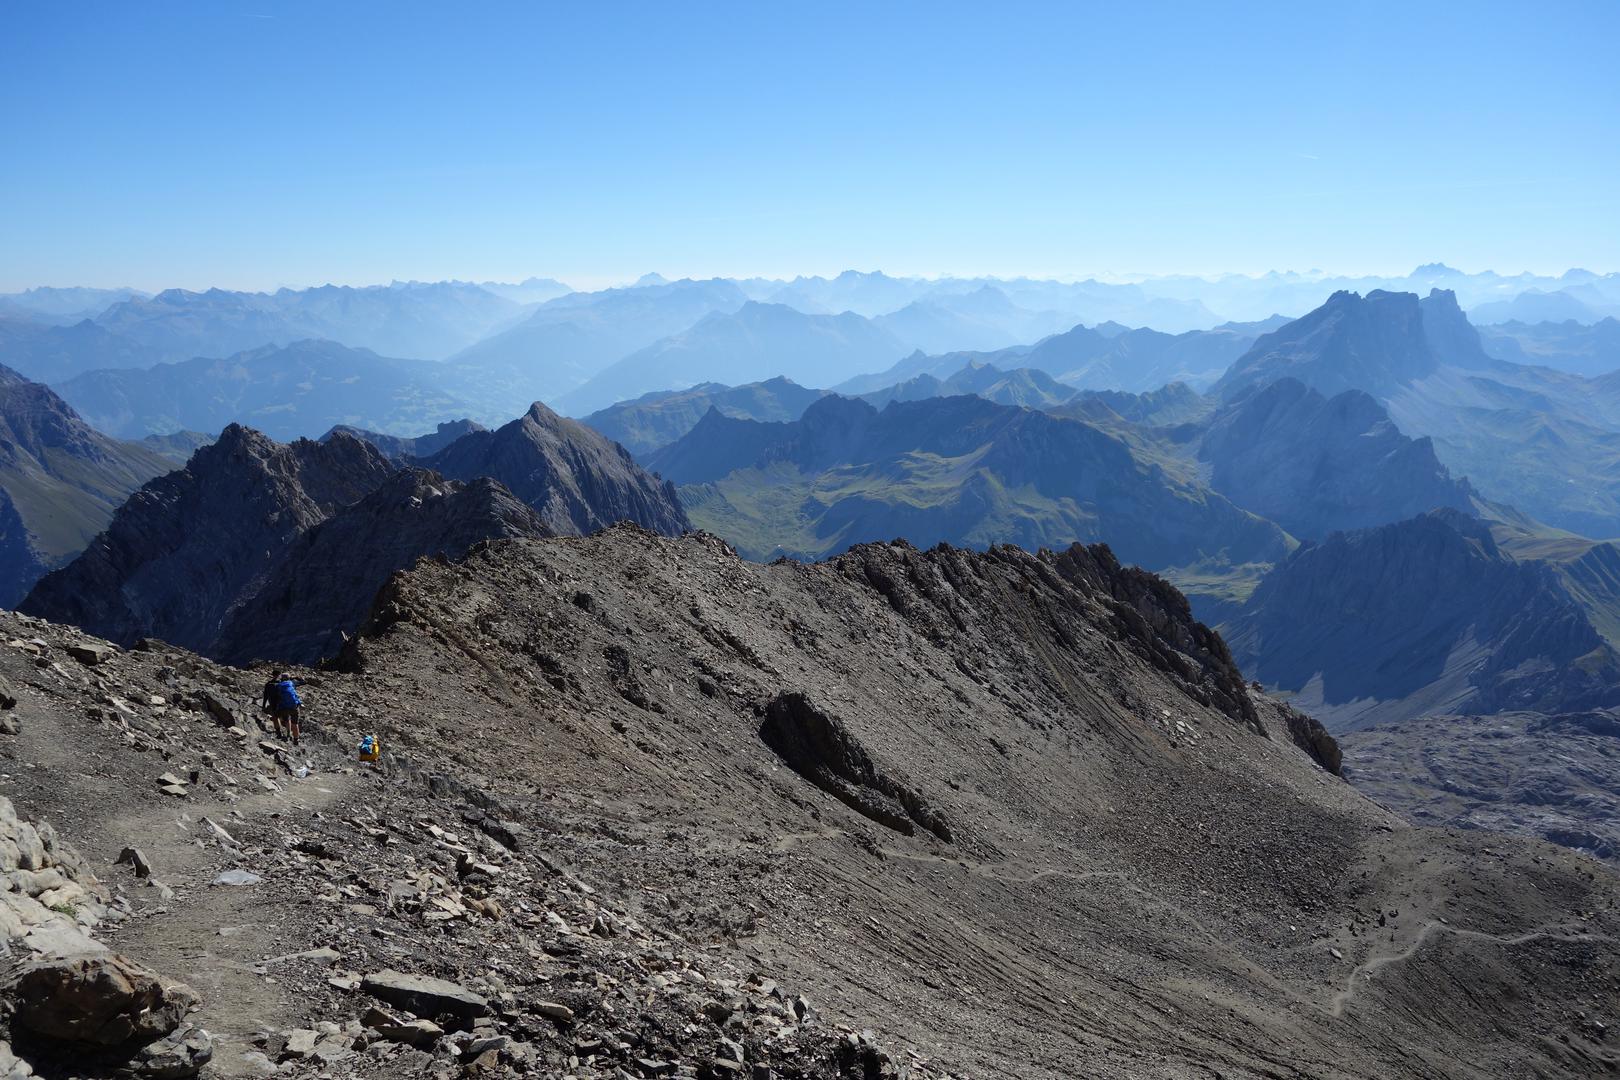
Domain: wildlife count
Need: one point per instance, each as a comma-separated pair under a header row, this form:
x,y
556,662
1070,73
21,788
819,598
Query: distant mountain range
x,y
959,469
421,321
1565,346
287,392
754,341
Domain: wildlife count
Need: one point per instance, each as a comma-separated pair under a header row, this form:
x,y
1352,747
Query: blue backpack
x,y
286,696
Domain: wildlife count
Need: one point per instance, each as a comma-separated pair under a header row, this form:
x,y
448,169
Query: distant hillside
x,y
60,481
1029,387
422,321
1580,349
959,469
292,391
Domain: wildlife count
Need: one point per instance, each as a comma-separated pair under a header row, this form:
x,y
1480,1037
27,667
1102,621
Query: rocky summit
x,y
577,480
645,809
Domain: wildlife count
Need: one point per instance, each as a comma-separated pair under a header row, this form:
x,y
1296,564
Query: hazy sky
x,y
251,145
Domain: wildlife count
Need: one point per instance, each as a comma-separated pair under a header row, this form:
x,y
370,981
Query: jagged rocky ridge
x,y
190,547
262,550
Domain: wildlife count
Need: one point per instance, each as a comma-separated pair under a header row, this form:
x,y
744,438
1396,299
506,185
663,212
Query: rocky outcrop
x,y
575,479
1423,616
820,749
324,583
191,546
1316,465
64,997
60,481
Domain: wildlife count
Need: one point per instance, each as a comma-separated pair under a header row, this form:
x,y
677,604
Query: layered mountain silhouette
x,y
224,555
959,469
981,319
755,342
422,321
1376,343
1544,441
293,391
60,481
1105,357
566,341
1420,617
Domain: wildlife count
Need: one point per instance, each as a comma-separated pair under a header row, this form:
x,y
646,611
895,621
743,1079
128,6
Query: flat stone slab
x,y
423,996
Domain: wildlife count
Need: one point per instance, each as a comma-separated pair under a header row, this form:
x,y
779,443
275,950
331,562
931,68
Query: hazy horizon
x,y
584,283
198,145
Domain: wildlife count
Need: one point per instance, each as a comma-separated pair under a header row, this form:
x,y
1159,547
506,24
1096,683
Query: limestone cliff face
x,y
576,480
190,546
1316,465
1423,616
1374,343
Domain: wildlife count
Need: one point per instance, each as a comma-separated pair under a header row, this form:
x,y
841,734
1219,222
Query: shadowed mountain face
x,y
60,481
576,480
190,546
1316,466
1423,616
655,420
289,392
959,469
324,583
404,448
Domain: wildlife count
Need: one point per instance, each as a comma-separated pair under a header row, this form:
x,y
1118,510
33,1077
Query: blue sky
x,y
257,144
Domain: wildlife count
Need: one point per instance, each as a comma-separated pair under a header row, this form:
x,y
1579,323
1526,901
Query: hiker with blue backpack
x,y
280,699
